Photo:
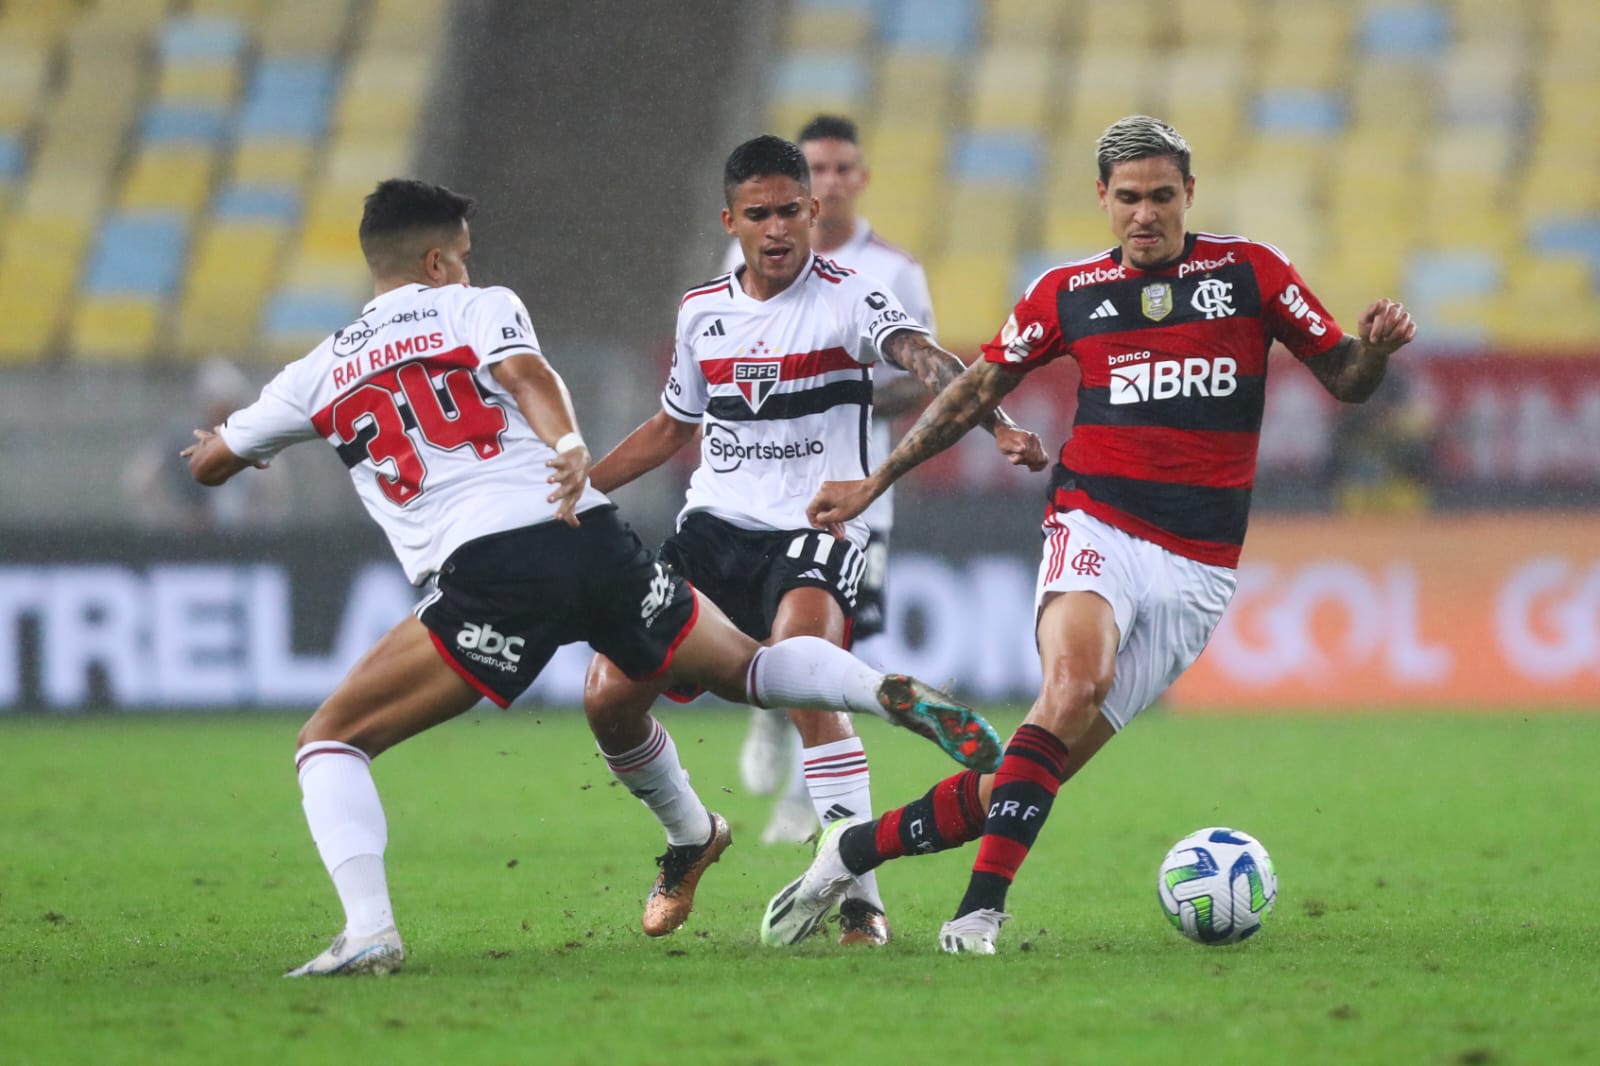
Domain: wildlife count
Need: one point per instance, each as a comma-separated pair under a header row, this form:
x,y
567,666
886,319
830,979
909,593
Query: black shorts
x,y
502,604
872,598
746,572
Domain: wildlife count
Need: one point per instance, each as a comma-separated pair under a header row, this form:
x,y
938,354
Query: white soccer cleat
x,y
349,956
972,934
764,756
801,907
794,821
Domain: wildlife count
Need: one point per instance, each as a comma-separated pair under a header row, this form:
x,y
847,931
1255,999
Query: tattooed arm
x,y
968,400
1352,369
930,364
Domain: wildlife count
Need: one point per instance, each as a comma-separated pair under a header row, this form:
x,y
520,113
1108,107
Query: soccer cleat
x,y
764,756
972,934
862,925
672,896
963,733
349,956
800,908
794,821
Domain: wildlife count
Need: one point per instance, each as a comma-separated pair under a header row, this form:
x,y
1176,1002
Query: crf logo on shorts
x,y
1167,378
488,644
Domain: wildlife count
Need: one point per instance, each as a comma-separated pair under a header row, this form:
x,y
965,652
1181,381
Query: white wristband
x,y
568,442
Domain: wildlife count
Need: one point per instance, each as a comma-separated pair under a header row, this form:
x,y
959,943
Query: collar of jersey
x,y
1189,240
805,272
395,293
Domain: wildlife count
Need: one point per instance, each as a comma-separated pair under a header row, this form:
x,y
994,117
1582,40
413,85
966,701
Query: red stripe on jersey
x,y
722,285
1212,553
462,358
828,270
1155,453
791,367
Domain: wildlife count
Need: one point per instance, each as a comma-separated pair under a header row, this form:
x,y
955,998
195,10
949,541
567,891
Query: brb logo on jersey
x,y
755,382
1136,379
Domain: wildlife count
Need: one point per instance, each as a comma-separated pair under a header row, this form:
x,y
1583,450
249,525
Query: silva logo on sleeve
x,y
1163,380
484,645
1299,308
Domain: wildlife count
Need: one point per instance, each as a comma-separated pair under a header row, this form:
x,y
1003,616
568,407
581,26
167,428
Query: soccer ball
x,y
1217,886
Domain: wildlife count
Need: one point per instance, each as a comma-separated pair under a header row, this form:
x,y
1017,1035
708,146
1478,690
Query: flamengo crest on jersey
x,y
783,391
1173,381
438,450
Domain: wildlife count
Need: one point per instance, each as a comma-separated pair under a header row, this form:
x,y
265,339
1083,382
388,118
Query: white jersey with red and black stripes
x,y
438,450
783,389
897,268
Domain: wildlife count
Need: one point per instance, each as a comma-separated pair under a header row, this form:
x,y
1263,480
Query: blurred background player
x,y
839,175
772,366
1150,500
454,428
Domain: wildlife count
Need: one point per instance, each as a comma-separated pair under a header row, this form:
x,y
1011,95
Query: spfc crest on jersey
x,y
755,381
1156,300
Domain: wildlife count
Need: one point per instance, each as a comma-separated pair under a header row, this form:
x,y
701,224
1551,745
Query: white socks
x,y
809,672
653,773
841,787
346,819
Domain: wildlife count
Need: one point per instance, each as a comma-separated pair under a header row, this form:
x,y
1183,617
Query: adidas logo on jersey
x,y
1105,310
715,330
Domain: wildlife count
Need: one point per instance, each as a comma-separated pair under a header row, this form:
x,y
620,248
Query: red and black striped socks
x,y
1024,788
947,817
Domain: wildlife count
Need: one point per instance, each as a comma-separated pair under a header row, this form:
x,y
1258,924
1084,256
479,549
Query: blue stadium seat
x,y
308,312
13,158
198,123
1406,30
933,25
261,203
1298,112
138,254
1441,275
1578,235
1010,156
288,98
826,75
202,37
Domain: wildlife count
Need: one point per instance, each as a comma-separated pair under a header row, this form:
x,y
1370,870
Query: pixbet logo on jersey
x,y
484,645
1167,378
755,381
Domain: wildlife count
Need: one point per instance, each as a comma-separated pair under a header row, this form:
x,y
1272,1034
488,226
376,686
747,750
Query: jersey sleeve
x,y
685,395
277,419
876,312
1293,313
1031,336
497,326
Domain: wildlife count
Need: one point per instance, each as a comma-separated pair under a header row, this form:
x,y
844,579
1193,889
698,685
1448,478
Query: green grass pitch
x,y
1436,877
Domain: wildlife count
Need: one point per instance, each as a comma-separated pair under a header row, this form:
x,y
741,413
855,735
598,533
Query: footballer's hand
x,y
836,502
569,470
202,437
1386,326
1021,447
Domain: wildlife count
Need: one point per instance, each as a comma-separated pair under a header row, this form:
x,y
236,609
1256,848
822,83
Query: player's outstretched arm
x,y
211,462
964,403
543,399
657,439
936,368
1352,369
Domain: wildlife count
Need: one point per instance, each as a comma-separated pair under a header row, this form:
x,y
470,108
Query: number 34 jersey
x,y
438,450
782,389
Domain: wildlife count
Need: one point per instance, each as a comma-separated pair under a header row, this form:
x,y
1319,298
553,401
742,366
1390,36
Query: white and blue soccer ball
x,y
1217,885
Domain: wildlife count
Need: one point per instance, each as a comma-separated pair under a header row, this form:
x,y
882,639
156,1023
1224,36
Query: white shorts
x,y
1165,605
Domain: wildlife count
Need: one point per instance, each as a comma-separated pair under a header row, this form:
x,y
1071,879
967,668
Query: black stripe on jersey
x,y
781,405
865,429
687,417
1074,308
1238,413
354,451
509,347
1193,512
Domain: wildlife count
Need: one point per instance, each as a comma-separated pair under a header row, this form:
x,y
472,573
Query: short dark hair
x,y
829,128
401,209
762,157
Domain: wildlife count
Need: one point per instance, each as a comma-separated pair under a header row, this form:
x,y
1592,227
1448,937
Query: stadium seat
x,y
302,28
115,327
196,123
847,26
984,217
947,26
138,253
175,177
970,292
287,98
233,266
914,88
1027,23
271,161
1407,29
1002,157
1011,88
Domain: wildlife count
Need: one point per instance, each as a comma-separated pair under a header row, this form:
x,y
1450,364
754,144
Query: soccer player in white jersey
x,y
773,362
463,446
839,176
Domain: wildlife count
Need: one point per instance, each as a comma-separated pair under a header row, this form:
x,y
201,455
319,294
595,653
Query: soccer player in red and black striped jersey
x,y
1148,504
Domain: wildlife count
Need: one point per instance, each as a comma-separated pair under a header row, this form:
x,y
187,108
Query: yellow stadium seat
x,y
62,192
177,177
1393,96
1075,231
213,83
115,328
898,149
911,218
31,326
399,24
972,293
1326,23
35,25
846,29
1217,23
302,27
23,72
358,158
376,103
914,87
271,162
1011,88
983,217
1306,63
1119,25
1029,23
233,266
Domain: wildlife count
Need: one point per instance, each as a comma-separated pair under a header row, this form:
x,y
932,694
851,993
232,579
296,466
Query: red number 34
x,y
372,412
